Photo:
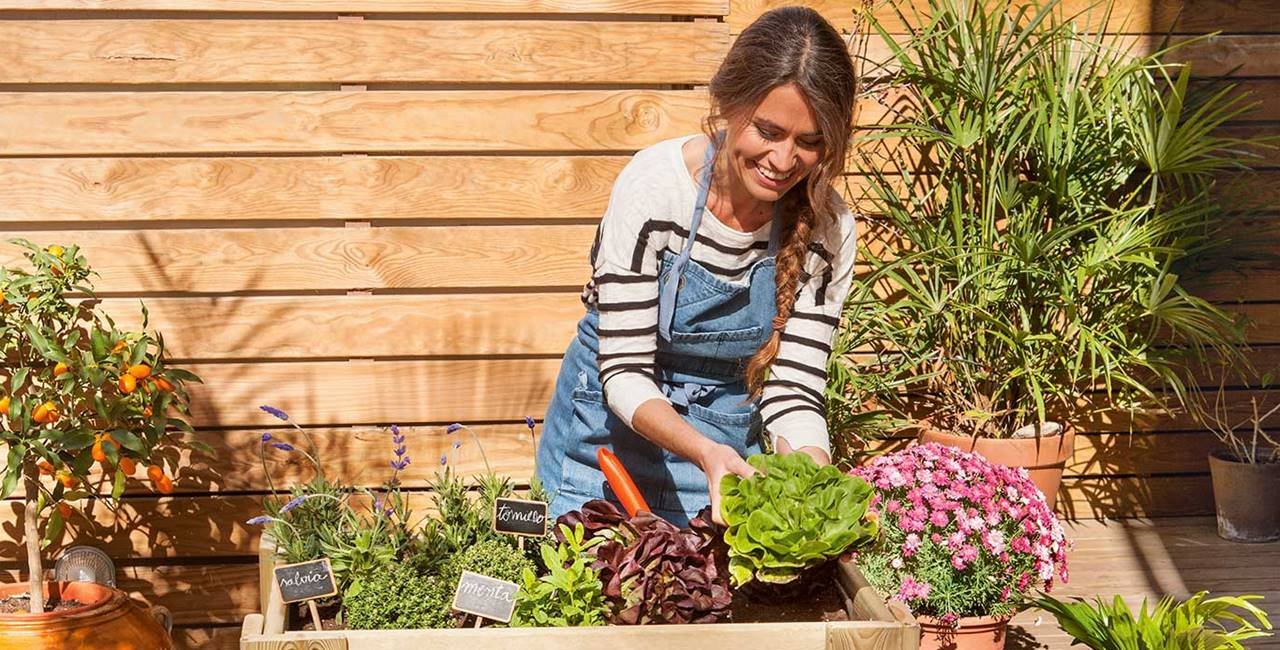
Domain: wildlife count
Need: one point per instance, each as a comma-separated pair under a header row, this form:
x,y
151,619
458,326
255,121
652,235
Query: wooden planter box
x,y
876,626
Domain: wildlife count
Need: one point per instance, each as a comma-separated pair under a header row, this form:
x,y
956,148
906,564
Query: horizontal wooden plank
x,y
357,326
642,7
76,123
1119,497
228,260
398,326
152,51
374,188
1129,16
387,392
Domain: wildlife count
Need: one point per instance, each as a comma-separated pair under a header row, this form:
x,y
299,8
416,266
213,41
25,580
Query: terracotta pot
x,y
1246,497
108,620
970,633
1042,457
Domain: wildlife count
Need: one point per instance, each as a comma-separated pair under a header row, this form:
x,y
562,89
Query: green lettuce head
x,y
791,516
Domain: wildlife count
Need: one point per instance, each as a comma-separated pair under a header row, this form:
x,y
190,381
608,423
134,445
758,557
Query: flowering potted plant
x,y
82,405
1036,253
964,542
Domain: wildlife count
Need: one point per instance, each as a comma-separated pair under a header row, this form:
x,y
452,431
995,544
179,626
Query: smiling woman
x,y
719,271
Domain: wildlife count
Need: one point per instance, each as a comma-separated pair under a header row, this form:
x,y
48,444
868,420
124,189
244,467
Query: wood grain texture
x,y
356,455
639,7
74,123
328,259
225,637
405,392
373,188
1129,16
373,51
358,326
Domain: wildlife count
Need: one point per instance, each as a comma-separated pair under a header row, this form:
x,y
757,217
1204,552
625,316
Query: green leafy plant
x,y
74,391
792,516
1198,623
495,558
397,597
570,594
1041,194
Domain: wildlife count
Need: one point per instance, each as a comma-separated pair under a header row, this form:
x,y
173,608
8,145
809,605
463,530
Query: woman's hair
x,y
790,45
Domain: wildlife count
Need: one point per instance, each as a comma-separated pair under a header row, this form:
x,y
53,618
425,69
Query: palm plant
x,y
1039,190
1199,623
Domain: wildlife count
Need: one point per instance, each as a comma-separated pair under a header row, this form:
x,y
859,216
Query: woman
x,y
719,272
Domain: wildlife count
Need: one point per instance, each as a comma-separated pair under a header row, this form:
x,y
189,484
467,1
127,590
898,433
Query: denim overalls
x,y
707,331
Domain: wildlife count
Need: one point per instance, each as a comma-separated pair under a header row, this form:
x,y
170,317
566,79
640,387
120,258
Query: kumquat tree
x,y
82,403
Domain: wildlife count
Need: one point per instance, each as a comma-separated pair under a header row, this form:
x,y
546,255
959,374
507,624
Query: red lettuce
x,y
655,572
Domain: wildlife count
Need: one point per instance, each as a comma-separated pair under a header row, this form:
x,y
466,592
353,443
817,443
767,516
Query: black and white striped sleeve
x,y
625,273
793,404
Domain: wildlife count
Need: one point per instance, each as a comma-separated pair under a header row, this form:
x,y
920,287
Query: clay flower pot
x,y
107,619
970,633
1246,497
1043,457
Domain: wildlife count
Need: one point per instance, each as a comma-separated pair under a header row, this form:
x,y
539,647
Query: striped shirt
x,y
649,211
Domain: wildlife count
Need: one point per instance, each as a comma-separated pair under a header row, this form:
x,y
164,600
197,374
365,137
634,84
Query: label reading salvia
x,y
484,596
519,517
306,580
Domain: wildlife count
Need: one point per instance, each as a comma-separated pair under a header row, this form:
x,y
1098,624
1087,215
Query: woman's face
x,y
776,146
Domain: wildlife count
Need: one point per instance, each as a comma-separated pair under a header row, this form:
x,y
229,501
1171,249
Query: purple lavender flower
x,y
457,444
400,463
293,503
528,422
453,428
275,412
282,446
444,459
395,430
266,437
400,451
258,521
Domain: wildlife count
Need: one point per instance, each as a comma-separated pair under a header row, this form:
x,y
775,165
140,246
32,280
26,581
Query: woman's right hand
x,y
718,460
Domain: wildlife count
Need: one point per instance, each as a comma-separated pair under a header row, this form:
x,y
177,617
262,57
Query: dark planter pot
x,y
1247,498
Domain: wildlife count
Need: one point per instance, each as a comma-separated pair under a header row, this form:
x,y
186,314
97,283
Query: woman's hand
x,y
718,461
819,456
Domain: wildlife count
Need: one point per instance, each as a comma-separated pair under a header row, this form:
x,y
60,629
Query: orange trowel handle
x,y
621,482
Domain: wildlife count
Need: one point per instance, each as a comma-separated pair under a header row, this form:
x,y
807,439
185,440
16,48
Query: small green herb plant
x,y
1198,623
397,597
570,594
792,516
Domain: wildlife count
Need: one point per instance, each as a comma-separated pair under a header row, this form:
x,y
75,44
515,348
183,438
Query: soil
x,y
22,604
819,604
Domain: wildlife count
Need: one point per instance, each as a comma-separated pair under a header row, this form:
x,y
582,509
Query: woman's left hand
x,y
781,446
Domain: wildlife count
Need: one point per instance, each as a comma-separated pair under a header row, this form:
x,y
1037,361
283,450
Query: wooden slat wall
x,y
372,212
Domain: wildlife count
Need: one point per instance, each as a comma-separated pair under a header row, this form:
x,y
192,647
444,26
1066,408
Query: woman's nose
x,y
783,156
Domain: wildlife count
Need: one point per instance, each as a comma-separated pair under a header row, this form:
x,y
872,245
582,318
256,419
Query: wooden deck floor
x,y
1138,559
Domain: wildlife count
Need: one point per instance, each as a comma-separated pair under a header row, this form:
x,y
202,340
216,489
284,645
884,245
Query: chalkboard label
x,y
306,580
519,517
484,596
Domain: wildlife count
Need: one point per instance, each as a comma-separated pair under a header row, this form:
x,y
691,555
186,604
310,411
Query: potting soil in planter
x,y
22,604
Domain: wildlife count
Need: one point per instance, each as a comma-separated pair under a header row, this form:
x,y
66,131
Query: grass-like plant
x,y
1039,192
1198,623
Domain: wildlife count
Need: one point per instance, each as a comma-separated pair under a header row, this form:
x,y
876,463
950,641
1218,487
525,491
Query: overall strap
x,y
671,281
